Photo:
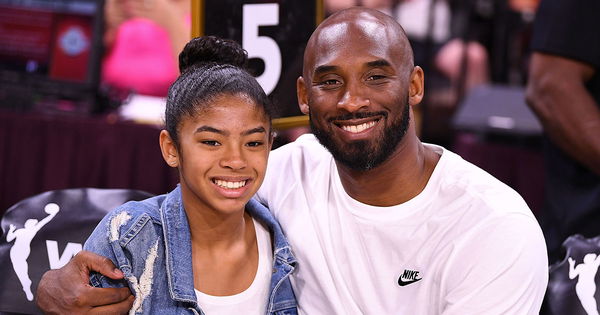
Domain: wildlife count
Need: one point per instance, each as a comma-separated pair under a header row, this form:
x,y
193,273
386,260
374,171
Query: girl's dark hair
x,y
210,67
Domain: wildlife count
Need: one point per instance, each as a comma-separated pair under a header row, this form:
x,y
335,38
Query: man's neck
x,y
400,178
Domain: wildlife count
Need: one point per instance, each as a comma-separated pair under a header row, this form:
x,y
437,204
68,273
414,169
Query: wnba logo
x,y
20,250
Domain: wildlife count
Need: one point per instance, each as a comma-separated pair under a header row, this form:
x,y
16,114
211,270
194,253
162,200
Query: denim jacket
x,y
150,242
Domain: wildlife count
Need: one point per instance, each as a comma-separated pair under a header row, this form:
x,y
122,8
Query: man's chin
x,y
356,156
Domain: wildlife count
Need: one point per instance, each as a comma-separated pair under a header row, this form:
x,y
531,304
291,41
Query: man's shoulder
x,y
306,153
299,163
463,180
305,145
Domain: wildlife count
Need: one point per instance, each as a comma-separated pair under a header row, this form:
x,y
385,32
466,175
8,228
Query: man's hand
x,y
67,290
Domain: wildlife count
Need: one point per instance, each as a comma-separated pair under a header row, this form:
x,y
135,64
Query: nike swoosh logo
x,y
407,282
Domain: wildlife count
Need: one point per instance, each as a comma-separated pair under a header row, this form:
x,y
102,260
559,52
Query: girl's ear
x,y
168,149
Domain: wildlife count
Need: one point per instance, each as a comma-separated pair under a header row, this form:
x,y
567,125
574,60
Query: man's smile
x,y
357,127
358,122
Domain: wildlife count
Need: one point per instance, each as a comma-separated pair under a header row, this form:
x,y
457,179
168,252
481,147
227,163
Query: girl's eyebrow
x,y
206,128
209,129
254,130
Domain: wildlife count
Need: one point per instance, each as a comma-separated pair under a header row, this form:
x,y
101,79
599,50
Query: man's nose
x,y
354,98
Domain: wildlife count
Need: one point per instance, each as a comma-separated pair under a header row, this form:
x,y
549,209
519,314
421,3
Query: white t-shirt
x,y
254,299
467,244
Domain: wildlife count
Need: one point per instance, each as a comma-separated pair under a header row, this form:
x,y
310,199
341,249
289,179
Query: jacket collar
x,y
178,248
282,250
178,244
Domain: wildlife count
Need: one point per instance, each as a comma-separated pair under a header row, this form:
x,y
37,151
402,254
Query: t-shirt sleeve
x,y
569,29
279,179
500,268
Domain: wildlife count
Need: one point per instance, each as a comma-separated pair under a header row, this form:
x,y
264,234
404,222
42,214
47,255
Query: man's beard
x,y
363,155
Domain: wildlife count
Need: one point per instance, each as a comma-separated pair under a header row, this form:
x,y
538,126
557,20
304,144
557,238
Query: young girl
x,y
205,247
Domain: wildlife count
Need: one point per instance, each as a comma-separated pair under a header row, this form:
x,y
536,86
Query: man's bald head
x,y
358,22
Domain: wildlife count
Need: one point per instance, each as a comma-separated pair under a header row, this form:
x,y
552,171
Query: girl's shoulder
x,y
145,208
132,216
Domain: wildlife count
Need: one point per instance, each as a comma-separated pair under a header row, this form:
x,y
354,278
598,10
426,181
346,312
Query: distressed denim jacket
x,y
150,242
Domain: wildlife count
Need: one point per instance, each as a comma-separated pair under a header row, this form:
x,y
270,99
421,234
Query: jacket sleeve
x,y
99,242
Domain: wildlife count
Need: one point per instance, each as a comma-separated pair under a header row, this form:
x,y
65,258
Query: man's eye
x,y
329,83
375,77
211,143
254,143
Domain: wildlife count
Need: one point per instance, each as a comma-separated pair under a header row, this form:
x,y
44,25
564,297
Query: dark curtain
x,y
40,153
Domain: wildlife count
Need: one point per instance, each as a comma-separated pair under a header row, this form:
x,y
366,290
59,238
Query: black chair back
x,y
44,232
572,288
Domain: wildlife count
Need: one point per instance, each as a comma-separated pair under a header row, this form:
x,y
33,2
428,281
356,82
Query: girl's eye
x,y
210,143
254,144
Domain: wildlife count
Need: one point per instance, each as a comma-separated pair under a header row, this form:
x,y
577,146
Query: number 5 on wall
x,y
263,47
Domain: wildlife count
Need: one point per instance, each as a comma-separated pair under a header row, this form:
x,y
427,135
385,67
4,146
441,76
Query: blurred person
x,y
143,39
380,222
332,6
428,24
564,93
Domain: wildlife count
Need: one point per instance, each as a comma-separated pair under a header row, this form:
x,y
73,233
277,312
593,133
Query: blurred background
x,y
82,83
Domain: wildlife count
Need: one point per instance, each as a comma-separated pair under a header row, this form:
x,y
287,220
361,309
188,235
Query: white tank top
x,y
254,299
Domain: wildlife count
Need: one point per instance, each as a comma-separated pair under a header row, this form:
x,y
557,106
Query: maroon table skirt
x,y
40,153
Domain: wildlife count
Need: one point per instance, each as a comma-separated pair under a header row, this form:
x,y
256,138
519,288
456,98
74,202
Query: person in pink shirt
x,y
143,39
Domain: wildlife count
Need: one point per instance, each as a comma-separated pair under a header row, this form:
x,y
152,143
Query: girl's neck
x,y
215,231
224,251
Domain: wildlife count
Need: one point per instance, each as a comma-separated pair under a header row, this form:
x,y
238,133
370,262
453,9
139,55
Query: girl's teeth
x,y
230,185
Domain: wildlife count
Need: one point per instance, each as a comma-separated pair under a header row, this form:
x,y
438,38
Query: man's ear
x,y
302,95
168,149
416,86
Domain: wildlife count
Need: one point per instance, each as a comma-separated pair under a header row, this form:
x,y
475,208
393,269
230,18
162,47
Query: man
x,y
383,224
564,92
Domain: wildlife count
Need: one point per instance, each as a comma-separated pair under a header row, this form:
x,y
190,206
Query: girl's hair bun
x,y
212,49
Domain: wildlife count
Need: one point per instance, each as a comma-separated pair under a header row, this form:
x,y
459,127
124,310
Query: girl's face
x,y
222,155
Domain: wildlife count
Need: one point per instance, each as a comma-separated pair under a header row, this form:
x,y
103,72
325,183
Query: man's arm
x,y
499,267
67,290
556,92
